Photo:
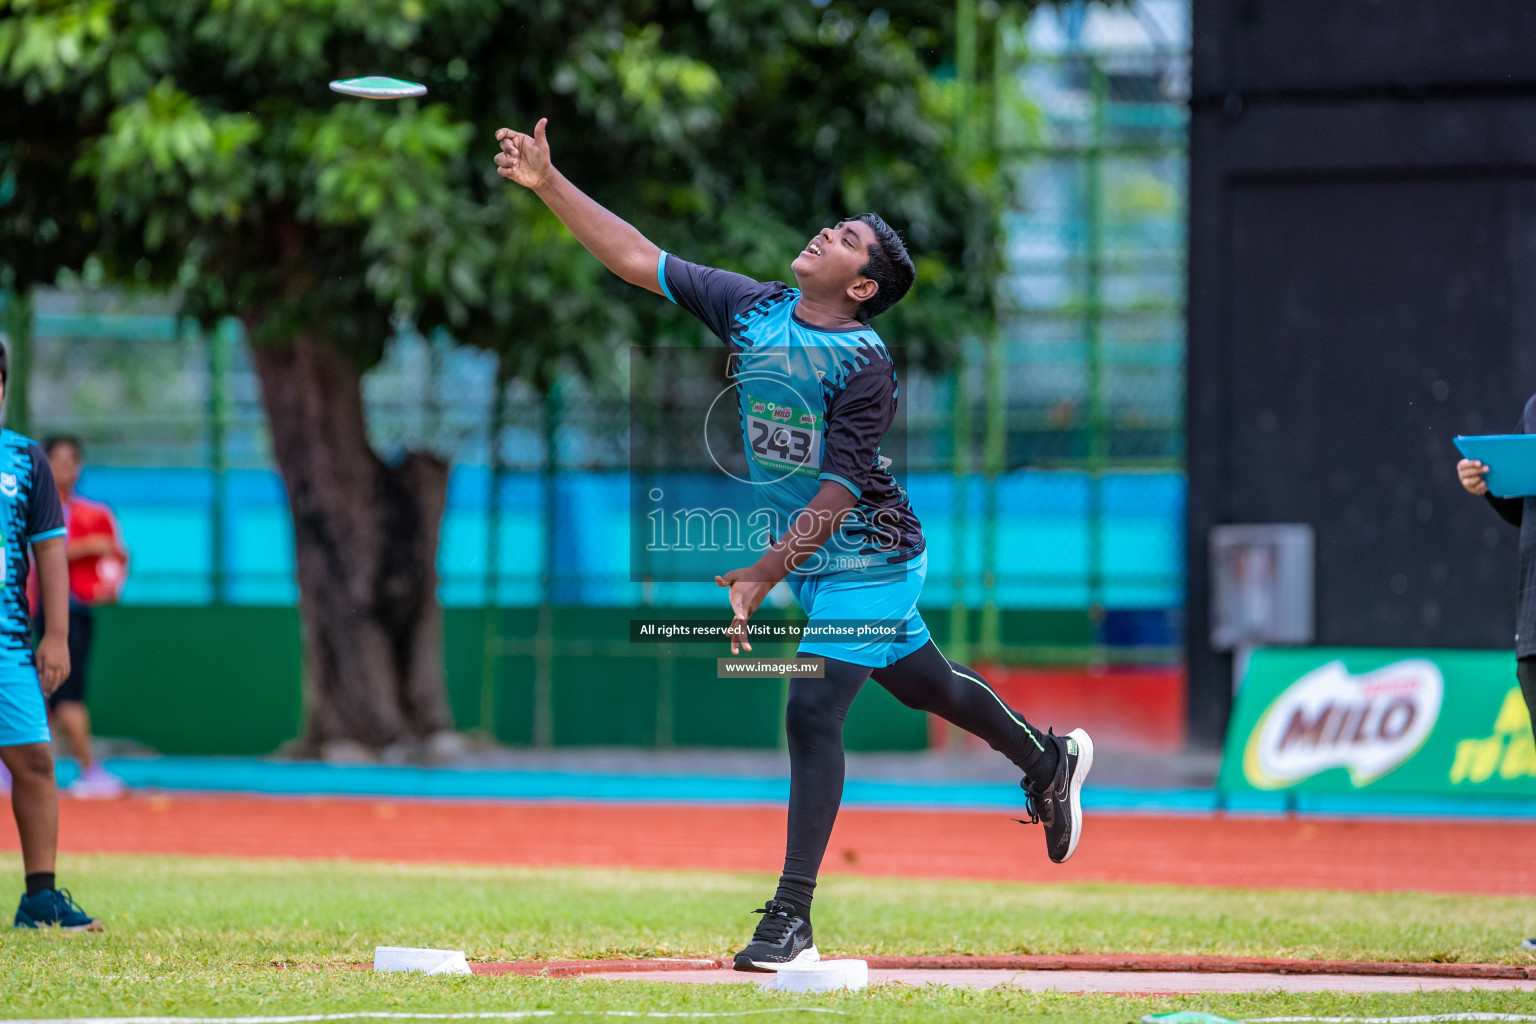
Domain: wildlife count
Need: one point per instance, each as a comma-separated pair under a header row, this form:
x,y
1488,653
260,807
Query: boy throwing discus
x,y
816,392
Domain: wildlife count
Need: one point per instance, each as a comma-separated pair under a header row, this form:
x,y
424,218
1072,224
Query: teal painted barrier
x,y
289,778
1041,558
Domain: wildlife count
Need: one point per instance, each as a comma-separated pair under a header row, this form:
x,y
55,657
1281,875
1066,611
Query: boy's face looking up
x,y
831,264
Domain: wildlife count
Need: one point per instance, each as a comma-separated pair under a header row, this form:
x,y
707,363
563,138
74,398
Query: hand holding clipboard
x,y
1501,464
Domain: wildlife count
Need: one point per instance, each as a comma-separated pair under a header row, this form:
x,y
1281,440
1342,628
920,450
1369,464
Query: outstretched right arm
x,y
614,241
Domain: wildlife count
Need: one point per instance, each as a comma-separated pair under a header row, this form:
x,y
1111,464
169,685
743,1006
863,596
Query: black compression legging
x,y
924,680
1525,671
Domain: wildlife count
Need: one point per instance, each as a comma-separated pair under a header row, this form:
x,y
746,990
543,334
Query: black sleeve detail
x,y
44,512
1511,510
857,418
716,297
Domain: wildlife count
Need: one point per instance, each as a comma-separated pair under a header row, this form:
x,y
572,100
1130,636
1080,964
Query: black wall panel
x,y
1311,46
1362,289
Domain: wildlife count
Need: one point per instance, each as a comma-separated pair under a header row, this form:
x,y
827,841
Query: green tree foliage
x,y
195,145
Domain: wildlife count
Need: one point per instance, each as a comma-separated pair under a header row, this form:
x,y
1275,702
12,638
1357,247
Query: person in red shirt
x,y
98,567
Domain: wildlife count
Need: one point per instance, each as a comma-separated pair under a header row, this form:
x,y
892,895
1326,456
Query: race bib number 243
x,y
783,438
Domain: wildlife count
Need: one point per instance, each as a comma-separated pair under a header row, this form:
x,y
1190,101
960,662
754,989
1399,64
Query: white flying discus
x,y
376,87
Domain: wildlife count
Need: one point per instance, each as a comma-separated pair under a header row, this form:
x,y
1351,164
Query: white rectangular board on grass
x,y
428,961
822,976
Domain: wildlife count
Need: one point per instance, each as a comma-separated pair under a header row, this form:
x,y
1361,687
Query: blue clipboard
x,y
1511,462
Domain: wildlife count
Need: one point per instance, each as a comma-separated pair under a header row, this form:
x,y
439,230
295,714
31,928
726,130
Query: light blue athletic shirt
x,y
29,512
815,404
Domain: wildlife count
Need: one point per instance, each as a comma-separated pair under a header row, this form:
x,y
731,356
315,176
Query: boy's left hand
x,y
52,663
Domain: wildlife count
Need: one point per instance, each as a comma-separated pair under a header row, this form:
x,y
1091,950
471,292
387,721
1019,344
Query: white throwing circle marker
x,y
822,976
377,87
428,961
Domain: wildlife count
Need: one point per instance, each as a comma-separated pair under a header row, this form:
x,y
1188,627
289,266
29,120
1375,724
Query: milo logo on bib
x,y
783,438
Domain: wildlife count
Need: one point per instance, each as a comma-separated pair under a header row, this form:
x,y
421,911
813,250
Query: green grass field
x,y
204,937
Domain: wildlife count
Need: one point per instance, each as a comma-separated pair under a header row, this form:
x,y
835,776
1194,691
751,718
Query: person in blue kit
x,y
31,517
816,391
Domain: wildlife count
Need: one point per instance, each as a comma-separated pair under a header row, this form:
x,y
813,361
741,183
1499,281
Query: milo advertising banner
x,y
1348,720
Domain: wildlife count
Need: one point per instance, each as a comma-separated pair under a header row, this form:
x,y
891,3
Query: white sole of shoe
x,y
1074,794
95,926
808,955
78,929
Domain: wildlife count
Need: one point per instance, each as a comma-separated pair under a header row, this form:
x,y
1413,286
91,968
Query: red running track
x,y
1371,855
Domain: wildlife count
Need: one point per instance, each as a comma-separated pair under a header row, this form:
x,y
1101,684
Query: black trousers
x,y
924,680
1525,671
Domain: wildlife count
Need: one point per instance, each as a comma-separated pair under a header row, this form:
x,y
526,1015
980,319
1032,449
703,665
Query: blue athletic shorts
x,y
23,712
843,600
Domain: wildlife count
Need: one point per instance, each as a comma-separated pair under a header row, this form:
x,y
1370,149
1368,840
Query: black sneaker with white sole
x,y
1528,944
782,938
1059,806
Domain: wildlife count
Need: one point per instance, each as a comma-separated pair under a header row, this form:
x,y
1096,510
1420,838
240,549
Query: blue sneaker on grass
x,y
55,908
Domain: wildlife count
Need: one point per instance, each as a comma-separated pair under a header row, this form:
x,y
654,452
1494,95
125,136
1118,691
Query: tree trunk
x,y
365,536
